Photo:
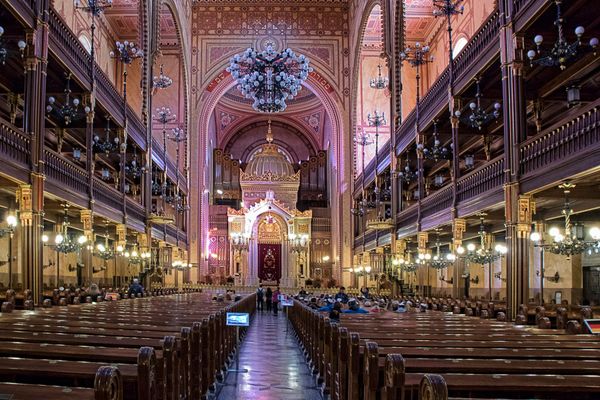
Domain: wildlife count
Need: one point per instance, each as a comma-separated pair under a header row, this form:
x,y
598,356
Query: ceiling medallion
x,y
269,77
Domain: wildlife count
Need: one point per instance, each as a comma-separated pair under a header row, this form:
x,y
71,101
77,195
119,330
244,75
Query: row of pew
x,y
437,355
169,347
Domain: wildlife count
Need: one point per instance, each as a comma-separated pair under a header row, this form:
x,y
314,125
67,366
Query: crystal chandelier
x,y
562,51
380,82
126,52
107,145
69,111
269,78
161,81
479,117
436,152
485,254
63,242
21,44
572,240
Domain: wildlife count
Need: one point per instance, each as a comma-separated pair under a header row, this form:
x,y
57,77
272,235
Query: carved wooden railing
x,y
370,236
65,174
563,140
408,216
524,10
14,144
65,43
438,201
482,180
358,241
436,98
107,195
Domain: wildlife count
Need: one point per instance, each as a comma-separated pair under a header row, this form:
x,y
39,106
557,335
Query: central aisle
x,y
276,369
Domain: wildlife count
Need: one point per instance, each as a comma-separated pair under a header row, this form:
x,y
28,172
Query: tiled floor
x,y
275,367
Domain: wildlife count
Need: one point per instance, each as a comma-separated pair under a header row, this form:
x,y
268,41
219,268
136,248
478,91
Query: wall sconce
x,y
469,161
551,278
443,279
476,280
498,275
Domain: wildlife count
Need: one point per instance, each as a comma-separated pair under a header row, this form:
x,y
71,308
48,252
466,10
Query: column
x,y
89,152
27,246
459,226
87,253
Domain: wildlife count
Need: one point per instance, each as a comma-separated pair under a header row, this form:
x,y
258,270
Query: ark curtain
x,y
269,262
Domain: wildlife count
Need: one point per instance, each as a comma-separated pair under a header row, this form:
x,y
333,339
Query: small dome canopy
x,y
269,161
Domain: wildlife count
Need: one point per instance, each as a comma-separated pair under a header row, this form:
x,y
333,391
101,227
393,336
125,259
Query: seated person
x,y
94,291
313,303
135,288
334,314
327,307
302,292
342,295
354,308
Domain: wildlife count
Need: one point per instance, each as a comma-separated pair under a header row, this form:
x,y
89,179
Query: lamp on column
x,y
363,139
164,116
562,51
178,136
11,224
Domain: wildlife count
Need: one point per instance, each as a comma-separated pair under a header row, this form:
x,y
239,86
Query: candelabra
x,y
380,82
4,51
363,140
436,152
562,51
70,110
178,136
105,145
161,81
479,117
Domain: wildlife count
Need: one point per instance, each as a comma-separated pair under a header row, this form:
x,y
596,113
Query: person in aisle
x,y
260,298
276,295
269,299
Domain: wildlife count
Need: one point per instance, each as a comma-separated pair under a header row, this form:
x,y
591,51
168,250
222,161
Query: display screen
x,y
238,319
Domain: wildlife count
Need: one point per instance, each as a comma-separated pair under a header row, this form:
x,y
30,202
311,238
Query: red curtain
x,y
269,262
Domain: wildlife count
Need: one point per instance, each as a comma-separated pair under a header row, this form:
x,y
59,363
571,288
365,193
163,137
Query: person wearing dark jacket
x,y
334,314
342,296
276,294
260,298
135,288
269,299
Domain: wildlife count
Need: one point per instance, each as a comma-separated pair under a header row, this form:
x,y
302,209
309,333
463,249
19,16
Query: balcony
x,y
15,147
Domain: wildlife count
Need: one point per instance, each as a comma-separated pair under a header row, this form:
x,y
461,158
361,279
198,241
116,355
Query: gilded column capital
x,y
25,201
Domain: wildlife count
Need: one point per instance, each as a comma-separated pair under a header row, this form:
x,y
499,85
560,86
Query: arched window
x,y
87,45
460,44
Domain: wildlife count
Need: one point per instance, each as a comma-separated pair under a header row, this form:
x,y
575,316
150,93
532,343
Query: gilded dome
x,y
269,161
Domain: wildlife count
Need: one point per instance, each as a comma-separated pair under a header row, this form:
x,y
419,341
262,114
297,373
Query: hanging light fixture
x,y
407,175
104,250
126,52
407,263
479,117
440,261
380,82
134,168
571,240
436,152
178,136
4,52
485,254
106,145
69,111
363,139
269,78
63,242
161,81
562,51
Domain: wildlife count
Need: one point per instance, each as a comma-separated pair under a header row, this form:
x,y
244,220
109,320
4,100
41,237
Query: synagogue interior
x,y
299,199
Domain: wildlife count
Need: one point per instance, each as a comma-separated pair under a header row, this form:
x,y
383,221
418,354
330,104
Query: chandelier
x,y
178,136
134,168
439,261
437,152
407,175
126,52
380,82
485,254
63,242
298,244
239,242
479,117
572,240
269,78
69,111
107,145
562,51
363,140
21,44
359,270
161,81
104,250
133,256
94,7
